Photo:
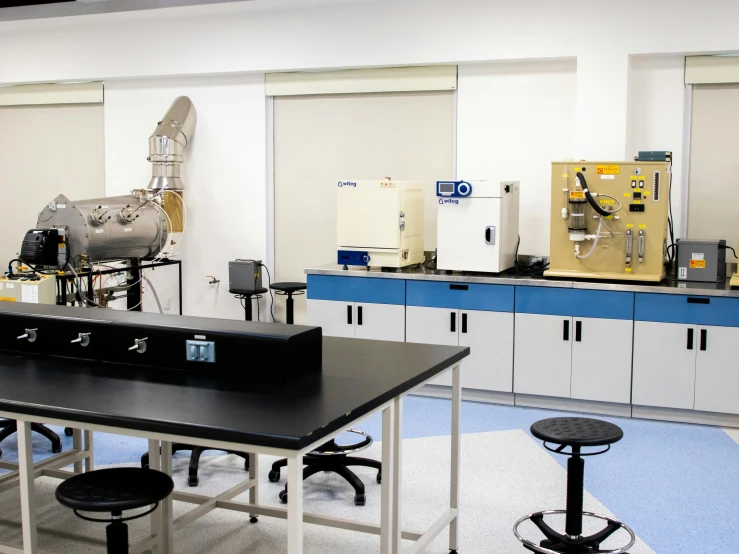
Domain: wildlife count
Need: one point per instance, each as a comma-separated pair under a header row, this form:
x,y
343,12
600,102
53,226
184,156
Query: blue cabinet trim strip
x,y
356,289
692,310
462,296
575,302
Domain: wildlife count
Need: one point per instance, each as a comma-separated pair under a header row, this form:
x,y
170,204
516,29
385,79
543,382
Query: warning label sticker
x,y
608,169
697,264
606,201
577,194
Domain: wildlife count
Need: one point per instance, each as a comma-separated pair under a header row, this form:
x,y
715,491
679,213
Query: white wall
x,y
655,118
224,176
513,119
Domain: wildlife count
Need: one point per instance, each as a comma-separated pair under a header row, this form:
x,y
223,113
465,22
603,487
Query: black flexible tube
x,y
589,196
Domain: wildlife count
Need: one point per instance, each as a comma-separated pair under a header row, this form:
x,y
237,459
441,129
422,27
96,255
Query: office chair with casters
x,y
10,426
334,458
192,478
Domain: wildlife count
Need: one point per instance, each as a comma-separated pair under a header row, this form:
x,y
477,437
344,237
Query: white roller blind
x,y
44,151
713,203
320,140
354,81
47,94
711,69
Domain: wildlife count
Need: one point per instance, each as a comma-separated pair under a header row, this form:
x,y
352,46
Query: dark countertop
x,y
358,376
669,285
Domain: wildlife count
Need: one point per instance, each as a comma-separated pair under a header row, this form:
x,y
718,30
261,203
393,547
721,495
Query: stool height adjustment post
x,y
116,534
575,488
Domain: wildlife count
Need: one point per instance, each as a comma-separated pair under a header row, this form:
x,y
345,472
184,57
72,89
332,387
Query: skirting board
x,y
573,405
472,395
686,416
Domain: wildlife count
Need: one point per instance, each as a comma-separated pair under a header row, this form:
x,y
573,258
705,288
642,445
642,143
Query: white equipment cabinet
x,y
357,308
380,223
438,313
477,225
685,352
574,344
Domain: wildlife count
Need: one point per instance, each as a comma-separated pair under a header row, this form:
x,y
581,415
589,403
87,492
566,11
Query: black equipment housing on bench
x,y
264,352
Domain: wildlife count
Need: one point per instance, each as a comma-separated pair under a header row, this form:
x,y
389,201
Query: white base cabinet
x,y
359,320
573,357
488,334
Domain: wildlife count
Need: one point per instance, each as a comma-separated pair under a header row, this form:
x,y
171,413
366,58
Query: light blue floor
x,y
676,485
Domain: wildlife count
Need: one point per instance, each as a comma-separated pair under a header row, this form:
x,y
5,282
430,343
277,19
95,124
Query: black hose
x,y
589,196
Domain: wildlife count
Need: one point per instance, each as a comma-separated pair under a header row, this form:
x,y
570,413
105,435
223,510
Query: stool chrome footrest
x,y
582,542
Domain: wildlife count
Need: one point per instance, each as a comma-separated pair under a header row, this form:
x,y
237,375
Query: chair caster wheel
x,y
359,499
253,519
193,481
379,477
1,452
452,552
246,465
56,449
68,431
274,476
283,497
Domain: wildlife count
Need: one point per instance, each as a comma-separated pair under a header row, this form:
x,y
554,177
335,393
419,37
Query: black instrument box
x,y
265,352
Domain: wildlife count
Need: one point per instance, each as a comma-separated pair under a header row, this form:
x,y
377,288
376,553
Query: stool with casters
x,y
289,289
576,433
332,457
10,426
115,491
192,476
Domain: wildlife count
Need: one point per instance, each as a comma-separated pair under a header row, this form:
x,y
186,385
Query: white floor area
x,y
505,475
733,433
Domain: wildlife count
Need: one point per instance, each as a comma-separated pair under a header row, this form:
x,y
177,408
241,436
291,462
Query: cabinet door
x,y
490,338
336,318
542,355
379,322
664,364
434,326
716,370
601,359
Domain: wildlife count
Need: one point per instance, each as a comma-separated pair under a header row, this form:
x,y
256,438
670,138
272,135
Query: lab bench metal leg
x,y
28,491
167,546
295,504
90,459
396,471
254,476
77,445
156,516
386,501
456,436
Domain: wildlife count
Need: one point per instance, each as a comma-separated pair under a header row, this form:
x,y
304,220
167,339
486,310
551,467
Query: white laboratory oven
x,y
477,225
380,223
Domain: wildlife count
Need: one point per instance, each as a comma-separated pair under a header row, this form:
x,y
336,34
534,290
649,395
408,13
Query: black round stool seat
x,y
577,431
288,287
114,490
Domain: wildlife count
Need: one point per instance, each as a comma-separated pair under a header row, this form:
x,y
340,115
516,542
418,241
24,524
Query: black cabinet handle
x,y
690,339
359,315
349,314
464,323
704,338
692,300
578,331
459,287
566,330
454,322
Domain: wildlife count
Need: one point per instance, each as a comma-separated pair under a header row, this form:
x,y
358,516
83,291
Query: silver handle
x,y
402,221
30,334
490,234
139,345
83,339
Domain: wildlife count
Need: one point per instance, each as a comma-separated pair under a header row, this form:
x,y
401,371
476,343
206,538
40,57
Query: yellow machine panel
x,y
624,238
40,289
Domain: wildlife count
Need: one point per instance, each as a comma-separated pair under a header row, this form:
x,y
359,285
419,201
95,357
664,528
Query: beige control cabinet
x,y
622,237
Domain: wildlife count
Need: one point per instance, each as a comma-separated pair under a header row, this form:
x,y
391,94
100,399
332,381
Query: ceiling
x,y
39,9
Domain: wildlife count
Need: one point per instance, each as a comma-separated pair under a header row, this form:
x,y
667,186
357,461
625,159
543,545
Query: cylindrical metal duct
x,y
103,229
166,153
167,145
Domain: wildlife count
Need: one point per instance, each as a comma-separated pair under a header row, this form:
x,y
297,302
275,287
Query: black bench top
x,y
358,376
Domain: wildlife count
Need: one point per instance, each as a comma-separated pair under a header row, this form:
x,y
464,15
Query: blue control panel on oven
x,y
453,188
